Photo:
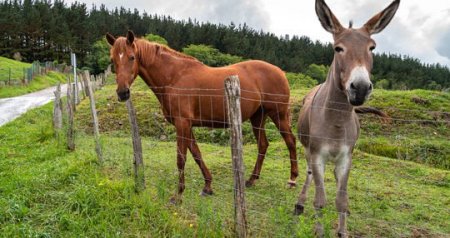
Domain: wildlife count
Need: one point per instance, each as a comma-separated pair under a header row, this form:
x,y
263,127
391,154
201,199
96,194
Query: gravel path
x,y
11,108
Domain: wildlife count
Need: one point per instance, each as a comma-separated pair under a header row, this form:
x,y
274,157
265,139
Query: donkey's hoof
x,y
318,230
205,193
342,234
298,210
291,184
175,200
249,183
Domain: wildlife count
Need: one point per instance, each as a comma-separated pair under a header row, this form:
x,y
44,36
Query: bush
x,y
297,80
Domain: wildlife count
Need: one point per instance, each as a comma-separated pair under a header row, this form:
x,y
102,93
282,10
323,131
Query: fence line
x,y
238,170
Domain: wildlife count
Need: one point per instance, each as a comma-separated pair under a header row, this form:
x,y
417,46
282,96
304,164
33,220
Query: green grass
x,y
38,83
46,191
15,66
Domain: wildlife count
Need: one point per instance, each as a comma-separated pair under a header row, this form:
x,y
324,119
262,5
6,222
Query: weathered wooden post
x,y
57,111
233,94
138,162
70,105
98,147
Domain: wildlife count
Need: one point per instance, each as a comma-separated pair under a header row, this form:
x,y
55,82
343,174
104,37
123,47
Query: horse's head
x,y
123,56
353,49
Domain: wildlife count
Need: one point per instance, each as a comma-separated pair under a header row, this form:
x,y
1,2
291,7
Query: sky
x,y
421,28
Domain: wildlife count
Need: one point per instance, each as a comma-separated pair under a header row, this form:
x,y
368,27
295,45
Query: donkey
x,y
328,126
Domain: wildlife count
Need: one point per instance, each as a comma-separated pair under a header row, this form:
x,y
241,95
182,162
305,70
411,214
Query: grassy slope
x,y
424,142
16,68
47,191
38,83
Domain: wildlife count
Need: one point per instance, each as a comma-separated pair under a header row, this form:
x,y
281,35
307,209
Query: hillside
x,y
419,130
48,191
17,74
15,66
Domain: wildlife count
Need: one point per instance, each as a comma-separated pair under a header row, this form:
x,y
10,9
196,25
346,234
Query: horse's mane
x,y
146,48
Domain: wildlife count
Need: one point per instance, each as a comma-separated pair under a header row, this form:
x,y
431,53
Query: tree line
x,y
48,30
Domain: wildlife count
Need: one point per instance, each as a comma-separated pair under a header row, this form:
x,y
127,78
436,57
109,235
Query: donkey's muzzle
x,y
359,92
123,94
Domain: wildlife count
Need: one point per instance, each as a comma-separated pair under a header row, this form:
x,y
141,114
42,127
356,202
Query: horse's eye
x,y
338,49
372,48
132,57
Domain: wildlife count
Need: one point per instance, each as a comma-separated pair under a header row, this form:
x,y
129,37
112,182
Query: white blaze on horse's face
x,y
123,56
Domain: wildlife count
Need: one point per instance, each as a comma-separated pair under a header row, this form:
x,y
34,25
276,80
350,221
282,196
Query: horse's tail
x,y
384,117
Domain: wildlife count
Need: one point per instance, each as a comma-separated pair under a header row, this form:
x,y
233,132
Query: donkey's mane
x,y
145,48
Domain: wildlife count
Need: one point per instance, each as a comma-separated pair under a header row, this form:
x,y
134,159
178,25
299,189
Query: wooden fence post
x,y
57,111
98,147
70,131
233,94
138,162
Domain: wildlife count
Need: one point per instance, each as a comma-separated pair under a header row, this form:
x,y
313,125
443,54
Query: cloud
x,y
218,11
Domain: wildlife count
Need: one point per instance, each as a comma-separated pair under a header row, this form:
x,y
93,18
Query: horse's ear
x,y
130,37
326,17
110,38
382,19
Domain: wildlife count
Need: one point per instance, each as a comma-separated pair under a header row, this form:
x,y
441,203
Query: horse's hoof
x,y
205,193
249,183
291,184
175,200
299,209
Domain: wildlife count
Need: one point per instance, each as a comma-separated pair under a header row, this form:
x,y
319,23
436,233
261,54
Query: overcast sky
x,y
421,28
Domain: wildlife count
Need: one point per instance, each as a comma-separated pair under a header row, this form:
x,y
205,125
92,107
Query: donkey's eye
x,y
132,57
372,48
338,49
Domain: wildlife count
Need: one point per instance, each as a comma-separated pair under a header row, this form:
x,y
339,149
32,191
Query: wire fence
x,y
10,76
267,210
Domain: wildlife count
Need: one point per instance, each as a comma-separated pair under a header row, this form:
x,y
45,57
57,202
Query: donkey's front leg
x,y
341,173
183,134
318,170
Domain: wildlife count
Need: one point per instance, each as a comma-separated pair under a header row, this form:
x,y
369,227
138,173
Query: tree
x,y
156,38
317,72
98,59
210,56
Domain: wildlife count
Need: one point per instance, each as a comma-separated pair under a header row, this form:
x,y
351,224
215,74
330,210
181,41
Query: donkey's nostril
x,y
352,86
370,86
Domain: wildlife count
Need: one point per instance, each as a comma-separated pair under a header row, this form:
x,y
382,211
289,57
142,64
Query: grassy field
x,y
15,66
418,132
46,191
38,83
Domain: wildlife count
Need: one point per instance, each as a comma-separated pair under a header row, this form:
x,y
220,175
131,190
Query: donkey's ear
x,y
130,37
327,18
110,38
382,19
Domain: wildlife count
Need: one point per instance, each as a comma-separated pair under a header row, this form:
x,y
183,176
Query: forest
x,y
47,30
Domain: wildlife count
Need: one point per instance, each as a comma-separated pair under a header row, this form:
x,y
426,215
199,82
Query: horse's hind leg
x,y
195,151
300,206
281,120
258,122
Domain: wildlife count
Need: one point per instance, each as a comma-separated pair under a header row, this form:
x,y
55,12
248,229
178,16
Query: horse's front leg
x,y
183,128
195,151
341,173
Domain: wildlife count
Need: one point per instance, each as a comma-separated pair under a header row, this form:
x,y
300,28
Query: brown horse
x,y
192,95
328,126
